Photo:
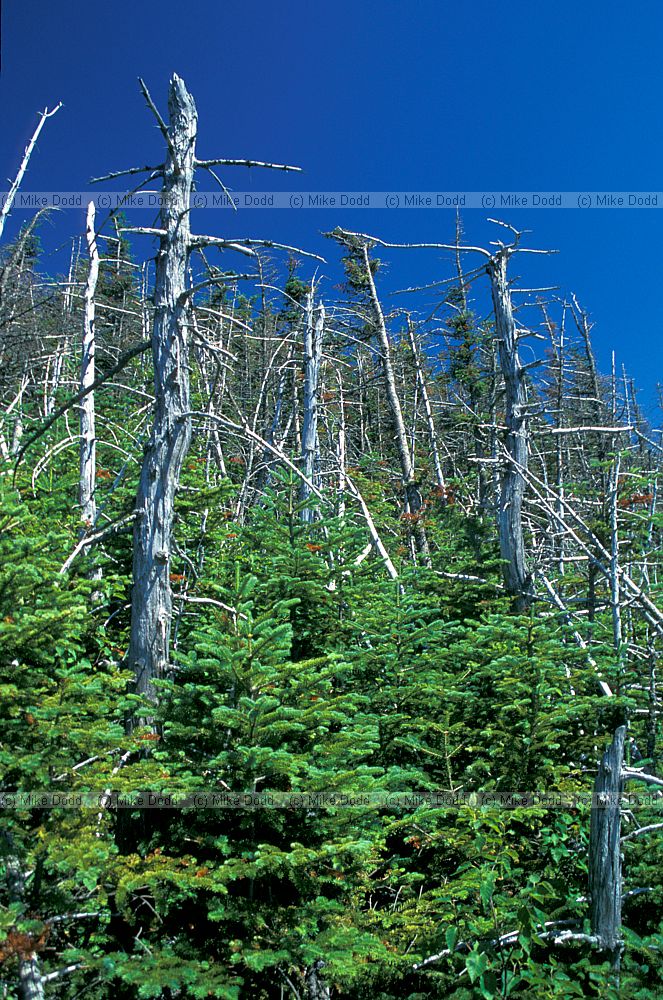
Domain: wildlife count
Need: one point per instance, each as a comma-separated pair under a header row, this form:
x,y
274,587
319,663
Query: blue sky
x,y
375,96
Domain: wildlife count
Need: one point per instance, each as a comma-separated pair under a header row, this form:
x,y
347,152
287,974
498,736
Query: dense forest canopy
x,y
296,582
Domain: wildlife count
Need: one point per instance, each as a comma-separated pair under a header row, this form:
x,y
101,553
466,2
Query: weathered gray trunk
x,y
17,431
29,974
605,863
316,988
615,586
510,522
151,602
413,501
88,440
11,195
313,333
428,409
53,376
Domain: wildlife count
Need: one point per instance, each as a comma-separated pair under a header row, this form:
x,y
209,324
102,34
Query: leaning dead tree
x,y
360,245
428,409
11,196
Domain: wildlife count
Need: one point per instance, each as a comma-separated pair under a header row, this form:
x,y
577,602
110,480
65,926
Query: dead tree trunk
x,y
88,441
510,522
605,864
9,201
151,601
413,502
313,332
615,586
428,409
316,988
29,975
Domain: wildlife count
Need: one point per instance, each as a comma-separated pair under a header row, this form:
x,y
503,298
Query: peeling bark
x,y
313,332
605,864
88,441
151,602
510,522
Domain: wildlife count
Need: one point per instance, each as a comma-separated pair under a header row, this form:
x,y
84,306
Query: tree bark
x,y
510,522
151,602
88,441
313,333
316,988
428,409
29,972
605,864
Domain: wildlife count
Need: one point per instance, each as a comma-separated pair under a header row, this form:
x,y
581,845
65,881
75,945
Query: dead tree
x,y
316,987
7,207
314,325
413,504
30,981
605,863
413,499
517,578
151,598
88,440
428,409
510,516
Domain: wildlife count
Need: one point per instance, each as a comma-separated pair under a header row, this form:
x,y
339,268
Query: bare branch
x,y
143,230
641,830
223,188
156,171
244,163
547,931
64,917
59,973
212,601
375,538
584,429
123,360
630,774
198,242
155,111
98,536
236,244
347,234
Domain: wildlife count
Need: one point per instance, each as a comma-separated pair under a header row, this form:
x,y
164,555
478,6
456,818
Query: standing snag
x,y
510,517
151,599
314,325
605,863
88,441
11,195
